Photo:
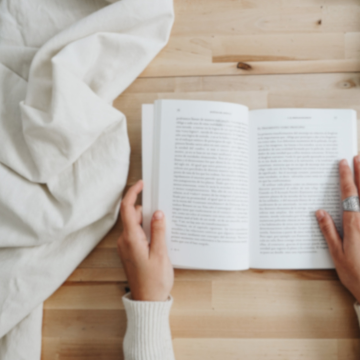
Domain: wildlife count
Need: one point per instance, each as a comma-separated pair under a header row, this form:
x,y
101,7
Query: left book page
x,y
198,171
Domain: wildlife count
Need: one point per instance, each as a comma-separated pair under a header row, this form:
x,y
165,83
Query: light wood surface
x,y
261,53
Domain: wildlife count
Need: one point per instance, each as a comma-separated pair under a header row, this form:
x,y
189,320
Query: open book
x,y
240,188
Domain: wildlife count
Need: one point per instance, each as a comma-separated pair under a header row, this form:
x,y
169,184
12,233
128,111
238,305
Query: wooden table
x,y
261,53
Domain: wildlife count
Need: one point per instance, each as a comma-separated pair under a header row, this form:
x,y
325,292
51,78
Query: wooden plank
x,y
332,99
87,296
255,349
194,349
184,7
291,296
50,348
156,68
277,31
254,324
131,103
267,32
108,296
102,258
341,18
245,83
352,45
96,274
84,324
192,295
83,349
208,323
235,19
211,349
118,275
348,349
256,17
281,83
277,47
110,240
320,3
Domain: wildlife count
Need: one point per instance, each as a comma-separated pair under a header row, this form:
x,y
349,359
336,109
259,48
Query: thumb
x,y
158,227
330,233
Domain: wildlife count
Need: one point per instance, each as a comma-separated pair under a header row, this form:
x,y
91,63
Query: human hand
x,y
147,266
345,252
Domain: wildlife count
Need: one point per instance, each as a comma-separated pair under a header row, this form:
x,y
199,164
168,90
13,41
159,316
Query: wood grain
x,y
292,54
251,349
280,47
280,37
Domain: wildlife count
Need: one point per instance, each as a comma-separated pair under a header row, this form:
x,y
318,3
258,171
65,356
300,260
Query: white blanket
x,y
64,150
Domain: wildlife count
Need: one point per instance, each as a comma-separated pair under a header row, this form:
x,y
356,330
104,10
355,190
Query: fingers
x,y
357,171
138,209
347,184
130,215
330,233
158,240
131,195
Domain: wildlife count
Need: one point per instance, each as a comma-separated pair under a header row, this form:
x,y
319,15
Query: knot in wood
x,y
244,66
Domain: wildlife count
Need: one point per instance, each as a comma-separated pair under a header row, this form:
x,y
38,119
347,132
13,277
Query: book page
x,y
201,182
294,172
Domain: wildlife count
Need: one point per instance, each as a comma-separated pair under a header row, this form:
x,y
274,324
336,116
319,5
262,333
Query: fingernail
x,y
357,158
158,215
320,214
343,162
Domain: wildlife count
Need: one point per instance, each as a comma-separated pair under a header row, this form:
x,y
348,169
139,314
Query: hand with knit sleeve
x,y
151,277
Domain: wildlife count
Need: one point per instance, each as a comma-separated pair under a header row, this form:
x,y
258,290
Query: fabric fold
x,y
64,150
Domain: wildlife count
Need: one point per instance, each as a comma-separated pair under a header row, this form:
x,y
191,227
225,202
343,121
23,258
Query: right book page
x,y
294,156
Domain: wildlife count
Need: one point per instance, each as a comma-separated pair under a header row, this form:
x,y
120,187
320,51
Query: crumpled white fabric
x,y
64,150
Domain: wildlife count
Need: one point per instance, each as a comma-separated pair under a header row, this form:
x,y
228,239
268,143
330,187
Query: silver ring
x,y
351,204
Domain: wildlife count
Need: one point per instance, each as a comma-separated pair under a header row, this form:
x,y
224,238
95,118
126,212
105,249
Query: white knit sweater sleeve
x,y
148,335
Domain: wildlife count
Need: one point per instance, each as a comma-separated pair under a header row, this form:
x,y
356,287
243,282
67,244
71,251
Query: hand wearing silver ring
x,y
351,204
346,251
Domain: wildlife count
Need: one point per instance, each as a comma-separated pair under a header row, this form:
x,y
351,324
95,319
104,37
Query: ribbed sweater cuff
x,y
148,335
